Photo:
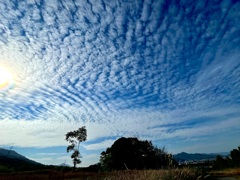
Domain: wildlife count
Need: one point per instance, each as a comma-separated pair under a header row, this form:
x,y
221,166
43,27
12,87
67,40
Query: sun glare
x,y
6,78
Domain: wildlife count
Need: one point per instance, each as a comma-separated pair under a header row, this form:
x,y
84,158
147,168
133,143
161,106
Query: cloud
x,y
154,69
87,160
100,145
149,125
49,154
52,160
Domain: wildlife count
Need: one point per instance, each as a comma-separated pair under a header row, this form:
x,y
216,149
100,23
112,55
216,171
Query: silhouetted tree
x,y
220,162
230,161
131,153
235,157
74,138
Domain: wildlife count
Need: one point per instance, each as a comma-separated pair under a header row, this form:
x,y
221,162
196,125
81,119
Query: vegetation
x,y
163,174
131,153
178,174
8,165
127,158
74,138
232,161
227,172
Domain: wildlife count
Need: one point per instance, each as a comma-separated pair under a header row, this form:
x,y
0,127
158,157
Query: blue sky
x,y
166,71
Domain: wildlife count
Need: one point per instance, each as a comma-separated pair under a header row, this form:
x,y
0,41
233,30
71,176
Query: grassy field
x,y
172,174
176,174
231,172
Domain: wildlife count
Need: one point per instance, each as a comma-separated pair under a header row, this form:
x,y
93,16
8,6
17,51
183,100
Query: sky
x,y
159,70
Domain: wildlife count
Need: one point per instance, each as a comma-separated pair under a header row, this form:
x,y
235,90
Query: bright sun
x,y
6,77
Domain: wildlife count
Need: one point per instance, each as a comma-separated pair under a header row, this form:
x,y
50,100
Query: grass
x,y
173,174
38,175
226,172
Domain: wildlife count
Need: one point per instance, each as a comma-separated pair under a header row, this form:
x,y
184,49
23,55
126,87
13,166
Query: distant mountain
x,y
221,153
11,161
183,156
14,155
64,165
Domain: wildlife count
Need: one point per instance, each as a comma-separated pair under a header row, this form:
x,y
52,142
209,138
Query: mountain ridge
x,y
14,155
184,156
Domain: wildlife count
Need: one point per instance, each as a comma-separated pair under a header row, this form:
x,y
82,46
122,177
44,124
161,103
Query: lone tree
x,y
74,138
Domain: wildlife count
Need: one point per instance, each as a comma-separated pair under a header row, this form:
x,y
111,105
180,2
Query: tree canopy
x,y
235,157
131,153
233,160
74,138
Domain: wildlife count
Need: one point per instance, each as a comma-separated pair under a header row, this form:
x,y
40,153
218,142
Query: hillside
x,y
183,156
11,161
14,155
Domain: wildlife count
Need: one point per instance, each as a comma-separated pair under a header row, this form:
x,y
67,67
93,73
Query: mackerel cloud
x,y
148,64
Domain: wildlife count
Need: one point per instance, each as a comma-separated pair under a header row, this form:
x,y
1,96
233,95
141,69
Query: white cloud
x,y
149,125
48,154
87,160
53,160
100,145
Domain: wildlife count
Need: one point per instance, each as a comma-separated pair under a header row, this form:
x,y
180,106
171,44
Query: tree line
x,y
125,153
132,153
231,161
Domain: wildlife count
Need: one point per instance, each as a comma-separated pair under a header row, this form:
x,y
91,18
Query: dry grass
x,y
172,174
51,175
227,172
24,176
